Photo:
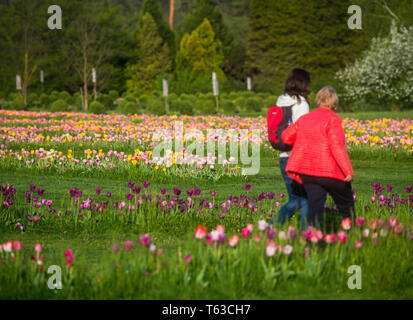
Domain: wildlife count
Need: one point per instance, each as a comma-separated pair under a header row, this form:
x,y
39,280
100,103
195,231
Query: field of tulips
x,y
83,193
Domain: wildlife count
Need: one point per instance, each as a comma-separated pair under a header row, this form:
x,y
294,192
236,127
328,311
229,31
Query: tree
x,y
201,51
21,36
167,35
211,11
311,34
385,72
88,42
153,59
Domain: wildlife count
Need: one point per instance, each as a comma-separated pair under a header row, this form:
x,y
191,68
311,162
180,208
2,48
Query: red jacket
x,y
318,146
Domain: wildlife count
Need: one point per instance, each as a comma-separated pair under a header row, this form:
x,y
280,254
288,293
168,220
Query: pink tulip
x,y
291,232
262,225
358,244
188,258
38,247
359,221
245,232
220,229
287,249
257,238
342,236
17,245
128,245
250,227
270,249
366,233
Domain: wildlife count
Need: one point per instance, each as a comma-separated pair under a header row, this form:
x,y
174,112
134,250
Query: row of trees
x,y
134,44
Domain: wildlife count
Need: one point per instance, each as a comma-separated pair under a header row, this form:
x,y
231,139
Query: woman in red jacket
x,y
319,159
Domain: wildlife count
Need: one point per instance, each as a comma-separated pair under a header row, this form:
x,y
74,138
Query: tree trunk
x,y
171,14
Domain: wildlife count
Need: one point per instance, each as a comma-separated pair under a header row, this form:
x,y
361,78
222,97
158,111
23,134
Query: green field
x,y
244,272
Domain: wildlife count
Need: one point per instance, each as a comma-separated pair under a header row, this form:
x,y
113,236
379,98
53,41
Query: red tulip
x,y
233,240
200,232
346,224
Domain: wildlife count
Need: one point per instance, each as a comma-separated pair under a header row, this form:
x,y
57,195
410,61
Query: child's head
x,y
327,97
298,84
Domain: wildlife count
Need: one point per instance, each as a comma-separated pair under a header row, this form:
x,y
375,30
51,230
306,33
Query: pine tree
x,y
200,51
153,58
167,35
211,11
311,34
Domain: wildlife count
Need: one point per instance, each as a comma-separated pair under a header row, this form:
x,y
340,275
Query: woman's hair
x,y
298,84
327,97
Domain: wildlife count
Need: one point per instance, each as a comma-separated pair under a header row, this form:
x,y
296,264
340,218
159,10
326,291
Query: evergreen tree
x,y
210,10
153,59
311,34
200,51
167,35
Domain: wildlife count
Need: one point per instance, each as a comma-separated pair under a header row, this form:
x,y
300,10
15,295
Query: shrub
x,y
106,100
228,106
44,100
96,107
18,103
156,106
5,104
206,106
33,100
13,95
185,107
113,95
58,105
254,104
64,95
128,107
173,102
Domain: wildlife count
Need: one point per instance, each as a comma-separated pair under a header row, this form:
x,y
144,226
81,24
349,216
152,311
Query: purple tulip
x,y
247,187
98,190
146,184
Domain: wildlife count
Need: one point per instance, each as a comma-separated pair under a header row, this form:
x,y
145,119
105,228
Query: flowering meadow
x,y
83,192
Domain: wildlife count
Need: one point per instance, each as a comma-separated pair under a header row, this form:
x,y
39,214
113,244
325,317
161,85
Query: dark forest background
x,y
133,51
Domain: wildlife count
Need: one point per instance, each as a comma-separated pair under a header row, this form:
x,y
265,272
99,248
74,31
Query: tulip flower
x,y
358,244
342,236
287,249
359,221
262,225
245,232
233,240
188,258
38,247
270,249
346,224
17,245
200,232
128,245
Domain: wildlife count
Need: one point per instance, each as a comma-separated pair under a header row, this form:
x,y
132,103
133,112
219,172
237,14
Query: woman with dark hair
x,y
296,91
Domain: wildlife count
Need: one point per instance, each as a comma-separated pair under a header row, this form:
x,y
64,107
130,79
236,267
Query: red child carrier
x,y
278,119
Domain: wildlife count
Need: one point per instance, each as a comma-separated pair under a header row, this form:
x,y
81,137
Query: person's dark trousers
x,y
317,189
